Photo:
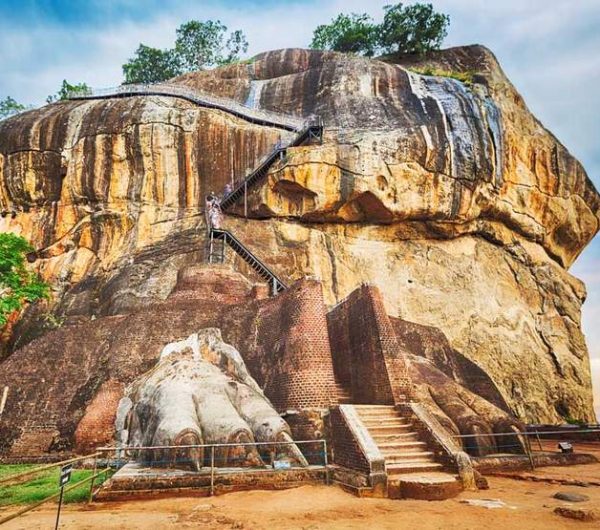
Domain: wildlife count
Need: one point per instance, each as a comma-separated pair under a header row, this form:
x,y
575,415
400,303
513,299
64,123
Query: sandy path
x,y
529,505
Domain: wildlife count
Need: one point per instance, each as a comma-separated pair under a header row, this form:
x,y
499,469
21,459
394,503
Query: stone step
x,y
395,437
390,429
401,458
375,409
430,486
385,422
412,466
401,446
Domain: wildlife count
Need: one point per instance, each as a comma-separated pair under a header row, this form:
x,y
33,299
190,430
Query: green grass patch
x,y
463,77
38,487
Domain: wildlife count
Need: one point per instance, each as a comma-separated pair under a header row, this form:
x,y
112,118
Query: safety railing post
x,y
528,448
212,470
537,434
92,481
325,458
246,199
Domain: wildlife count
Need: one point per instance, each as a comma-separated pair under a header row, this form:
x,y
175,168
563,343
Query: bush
x,y
17,284
463,77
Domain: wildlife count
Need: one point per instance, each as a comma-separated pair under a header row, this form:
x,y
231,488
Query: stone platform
x,y
135,480
428,486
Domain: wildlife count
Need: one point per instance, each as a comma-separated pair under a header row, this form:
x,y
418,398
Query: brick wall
x,y
346,450
291,355
97,426
365,350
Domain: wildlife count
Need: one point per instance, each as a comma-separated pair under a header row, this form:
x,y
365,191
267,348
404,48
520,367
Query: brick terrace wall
x,y
291,357
357,351
98,424
346,450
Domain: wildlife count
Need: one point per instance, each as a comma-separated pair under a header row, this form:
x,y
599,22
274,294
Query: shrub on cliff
x,y
9,107
347,33
411,29
17,284
198,45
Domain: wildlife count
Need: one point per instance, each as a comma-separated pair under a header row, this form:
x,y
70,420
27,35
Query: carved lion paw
x,y
200,392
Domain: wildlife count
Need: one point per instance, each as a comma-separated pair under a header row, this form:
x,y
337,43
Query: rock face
x,y
452,199
150,378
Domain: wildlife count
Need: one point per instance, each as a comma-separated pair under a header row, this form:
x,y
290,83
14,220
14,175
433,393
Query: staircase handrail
x,y
228,237
286,121
313,122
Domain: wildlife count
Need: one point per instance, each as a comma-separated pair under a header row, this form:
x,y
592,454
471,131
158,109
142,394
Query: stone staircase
x,y
344,395
397,440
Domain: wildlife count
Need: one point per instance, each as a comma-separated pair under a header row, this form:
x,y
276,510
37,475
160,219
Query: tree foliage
x,y
151,65
9,107
352,33
18,285
66,89
198,45
412,29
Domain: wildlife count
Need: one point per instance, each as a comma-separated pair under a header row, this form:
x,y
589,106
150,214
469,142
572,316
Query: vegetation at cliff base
x,y
415,28
18,285
198,45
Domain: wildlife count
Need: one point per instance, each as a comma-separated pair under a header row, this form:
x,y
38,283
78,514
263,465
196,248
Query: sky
x,y
550,49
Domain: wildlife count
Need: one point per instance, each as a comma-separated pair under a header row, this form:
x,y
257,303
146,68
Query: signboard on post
x,y
65,475
63,480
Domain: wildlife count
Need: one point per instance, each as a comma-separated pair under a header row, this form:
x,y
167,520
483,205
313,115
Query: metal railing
x,y
529,443
261,116
215,459
20,478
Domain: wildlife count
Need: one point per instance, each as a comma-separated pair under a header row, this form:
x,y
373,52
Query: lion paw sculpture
x,y
200,392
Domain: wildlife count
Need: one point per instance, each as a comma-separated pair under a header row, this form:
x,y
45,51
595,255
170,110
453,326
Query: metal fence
x,y
98,476
531,443
201,98
218,455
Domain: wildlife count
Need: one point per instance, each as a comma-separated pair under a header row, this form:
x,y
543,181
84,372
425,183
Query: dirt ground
x,y
527,505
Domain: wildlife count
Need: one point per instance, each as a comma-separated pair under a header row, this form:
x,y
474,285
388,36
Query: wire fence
x,y
201,98
281,455
532,443
97,477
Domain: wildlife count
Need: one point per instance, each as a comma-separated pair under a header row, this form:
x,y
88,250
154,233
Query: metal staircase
x,y
312,131
216,254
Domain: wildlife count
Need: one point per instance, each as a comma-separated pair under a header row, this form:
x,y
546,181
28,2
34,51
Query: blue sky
x,y
550,49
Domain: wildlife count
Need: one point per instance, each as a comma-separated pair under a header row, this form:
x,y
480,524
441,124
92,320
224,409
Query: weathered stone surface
x,y
578,514
570,496
455,201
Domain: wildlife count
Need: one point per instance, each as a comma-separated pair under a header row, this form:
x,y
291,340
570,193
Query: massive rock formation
x,y
452,199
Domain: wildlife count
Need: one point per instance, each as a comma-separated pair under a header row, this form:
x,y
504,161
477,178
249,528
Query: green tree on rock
x,y
202,45
66,89
151,65
18,285
412,29
198,45
9,107
352,33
